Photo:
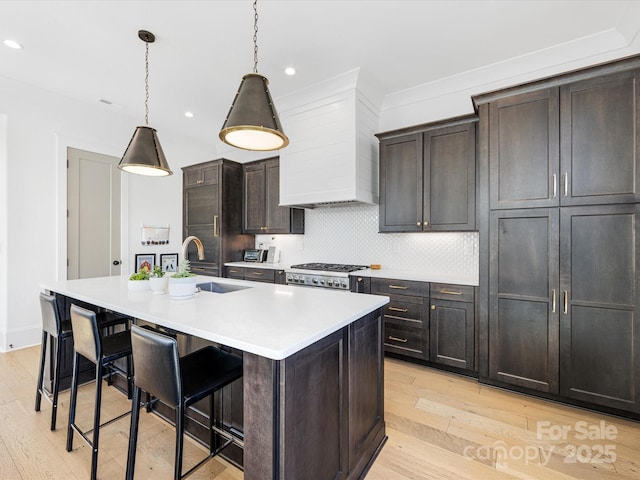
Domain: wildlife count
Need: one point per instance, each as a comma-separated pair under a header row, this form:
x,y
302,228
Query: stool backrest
x,y
86,338
156,365
50,315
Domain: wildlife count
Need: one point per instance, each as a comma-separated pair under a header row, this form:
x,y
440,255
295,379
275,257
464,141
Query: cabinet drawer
x,y
413,313
260,274
456,293
202,268
388,286
404,340
234,272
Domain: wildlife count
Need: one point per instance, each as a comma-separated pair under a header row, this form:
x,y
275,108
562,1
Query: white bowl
x,y
138,285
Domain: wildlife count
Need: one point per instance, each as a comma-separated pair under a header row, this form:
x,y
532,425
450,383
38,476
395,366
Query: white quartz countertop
x,y
396,273
273,321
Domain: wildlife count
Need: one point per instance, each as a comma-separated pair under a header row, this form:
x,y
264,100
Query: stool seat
x,y
207,370
179,383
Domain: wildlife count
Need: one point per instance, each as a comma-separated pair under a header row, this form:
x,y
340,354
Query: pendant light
x,y
252,122
144,155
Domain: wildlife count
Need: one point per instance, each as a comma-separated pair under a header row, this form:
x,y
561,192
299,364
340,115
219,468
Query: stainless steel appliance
x,y
322,275
255,255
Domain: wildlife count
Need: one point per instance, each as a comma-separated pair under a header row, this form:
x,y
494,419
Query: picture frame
x,y
169,262
145,260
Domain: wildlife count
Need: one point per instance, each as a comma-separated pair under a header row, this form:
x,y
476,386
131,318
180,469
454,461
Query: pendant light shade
x,y
252,122
144,155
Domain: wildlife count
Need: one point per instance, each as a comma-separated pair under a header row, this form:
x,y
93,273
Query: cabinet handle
x,y
199,181
396,309
233,271
565,178
555,185
566,302
396,339
256,273
215,225
263,228
450,292
418,223
553,301
433,307
425,223
398,287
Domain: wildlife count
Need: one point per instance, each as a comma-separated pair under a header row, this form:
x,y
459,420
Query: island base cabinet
x,y
328,404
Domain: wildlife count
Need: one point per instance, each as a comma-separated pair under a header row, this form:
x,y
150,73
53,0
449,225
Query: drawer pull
x,y
450,292
396,309
396,339
233,271
398,287
256,273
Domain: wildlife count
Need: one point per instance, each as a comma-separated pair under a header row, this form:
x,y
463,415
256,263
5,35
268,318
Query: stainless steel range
x,y
322,275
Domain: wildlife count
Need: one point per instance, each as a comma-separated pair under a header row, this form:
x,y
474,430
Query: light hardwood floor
x,y
440,426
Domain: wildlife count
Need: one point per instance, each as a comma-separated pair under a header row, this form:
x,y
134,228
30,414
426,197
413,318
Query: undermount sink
x,y
219,287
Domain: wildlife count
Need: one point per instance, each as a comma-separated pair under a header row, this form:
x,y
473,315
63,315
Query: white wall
x,y
39,127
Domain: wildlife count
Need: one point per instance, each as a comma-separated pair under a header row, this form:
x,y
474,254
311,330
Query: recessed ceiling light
x,y
188,114
13,44
290,71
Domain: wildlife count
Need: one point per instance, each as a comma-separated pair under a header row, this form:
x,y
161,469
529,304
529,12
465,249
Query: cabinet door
x,y
254,198
523,294
600,331
600,130
401,184
524,150
449,178
277,217
452,333
202,205
210,242
200,175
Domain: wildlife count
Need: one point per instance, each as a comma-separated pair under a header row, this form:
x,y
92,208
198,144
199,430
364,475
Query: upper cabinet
x,y
427,177
262,211
569,144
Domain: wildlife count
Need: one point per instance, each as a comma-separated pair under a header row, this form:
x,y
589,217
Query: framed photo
x,y
169,262
145,260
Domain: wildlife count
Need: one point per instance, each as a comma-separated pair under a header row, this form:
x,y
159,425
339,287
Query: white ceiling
x,y
90,49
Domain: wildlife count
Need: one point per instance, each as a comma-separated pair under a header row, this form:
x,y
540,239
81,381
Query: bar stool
x,y
102,351
179,383
52,328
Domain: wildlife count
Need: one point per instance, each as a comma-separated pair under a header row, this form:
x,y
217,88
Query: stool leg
x,y
43,354
179,441
96,422
72,406
56,384
133,433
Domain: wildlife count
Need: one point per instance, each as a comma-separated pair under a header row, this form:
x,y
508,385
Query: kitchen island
x,y
313,366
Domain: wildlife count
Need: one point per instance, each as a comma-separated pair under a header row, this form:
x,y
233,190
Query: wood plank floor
x,y
440,426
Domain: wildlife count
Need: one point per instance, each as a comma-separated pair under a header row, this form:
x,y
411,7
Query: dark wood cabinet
x,y
262,211
406,316
599,328
574,144
427,177
452,325
212,211
558,205
257,274
523,298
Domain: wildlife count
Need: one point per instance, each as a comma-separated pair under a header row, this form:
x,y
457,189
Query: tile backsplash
x,y
349,234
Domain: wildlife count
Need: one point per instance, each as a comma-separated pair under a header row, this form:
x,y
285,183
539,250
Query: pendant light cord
x,y
146,84
255,36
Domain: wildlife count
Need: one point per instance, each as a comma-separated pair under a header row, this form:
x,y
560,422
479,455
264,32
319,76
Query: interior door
x,y
93,217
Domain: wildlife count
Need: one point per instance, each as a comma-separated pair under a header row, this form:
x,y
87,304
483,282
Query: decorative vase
x,y
138,285
182,287
159,285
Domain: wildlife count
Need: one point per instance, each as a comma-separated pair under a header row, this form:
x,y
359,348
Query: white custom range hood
x,y
332,157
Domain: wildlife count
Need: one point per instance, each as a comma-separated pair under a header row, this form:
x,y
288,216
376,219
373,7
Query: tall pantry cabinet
x,y
558,210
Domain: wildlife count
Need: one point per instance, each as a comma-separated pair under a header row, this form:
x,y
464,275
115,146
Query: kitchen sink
x,y
215,287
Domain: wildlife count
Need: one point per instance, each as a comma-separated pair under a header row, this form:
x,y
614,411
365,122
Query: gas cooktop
x,y
329,267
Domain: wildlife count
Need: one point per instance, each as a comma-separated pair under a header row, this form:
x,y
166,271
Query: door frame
x,y
63,141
